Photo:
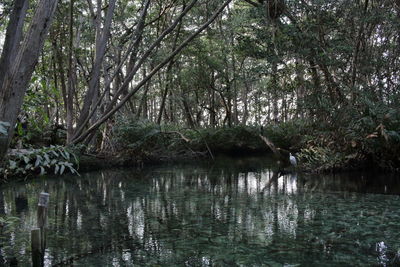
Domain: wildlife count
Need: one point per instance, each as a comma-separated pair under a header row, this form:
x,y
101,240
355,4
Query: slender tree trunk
x,y
2,204
102,36
188,113
55,79
274,77
354,63
169,77
300,90
142,109
245,96
69,97
111,112
168,83
172,110
213,108
59,71
133,49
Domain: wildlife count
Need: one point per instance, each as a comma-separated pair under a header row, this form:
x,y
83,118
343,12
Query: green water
x,y
233,212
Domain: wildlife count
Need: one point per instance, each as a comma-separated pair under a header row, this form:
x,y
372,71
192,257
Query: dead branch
x,y
187,140
271,145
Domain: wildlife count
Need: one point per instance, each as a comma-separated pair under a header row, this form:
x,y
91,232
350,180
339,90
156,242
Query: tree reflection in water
x,y
234,214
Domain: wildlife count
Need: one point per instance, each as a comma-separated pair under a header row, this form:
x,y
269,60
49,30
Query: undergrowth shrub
x,y
234,139
288,135
55,159
320,159
376,132
146,139
354,137
149,139
347,138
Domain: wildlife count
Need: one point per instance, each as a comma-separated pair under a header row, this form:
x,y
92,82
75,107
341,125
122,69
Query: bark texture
x,y
20,60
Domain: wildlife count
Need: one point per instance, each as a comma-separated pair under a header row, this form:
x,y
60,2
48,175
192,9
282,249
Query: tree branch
x,y
106,116
252,3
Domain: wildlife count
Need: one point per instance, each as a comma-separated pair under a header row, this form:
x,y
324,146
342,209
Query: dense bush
x,y
367,136
375,133
144,138
348,138
288,135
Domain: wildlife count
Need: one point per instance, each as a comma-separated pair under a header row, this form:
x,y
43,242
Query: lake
x,y
228,212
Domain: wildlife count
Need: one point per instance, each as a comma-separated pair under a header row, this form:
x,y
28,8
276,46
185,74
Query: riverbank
x,y
318,146
138,143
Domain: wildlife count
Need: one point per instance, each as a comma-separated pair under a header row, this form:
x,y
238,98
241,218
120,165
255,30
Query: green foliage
x,y
287,135
332,63
56,159
365,136
148,139
376,132
136,133
320,159
233,139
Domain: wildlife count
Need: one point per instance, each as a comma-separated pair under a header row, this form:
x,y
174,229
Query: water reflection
x,y
225,214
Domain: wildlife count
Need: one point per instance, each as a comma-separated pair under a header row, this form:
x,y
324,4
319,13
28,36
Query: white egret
x,y
292,160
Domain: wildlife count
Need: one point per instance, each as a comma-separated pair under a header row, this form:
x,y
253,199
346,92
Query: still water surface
x,y
232,212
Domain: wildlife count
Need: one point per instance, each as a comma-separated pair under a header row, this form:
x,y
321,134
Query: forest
x,y
199,133
149,80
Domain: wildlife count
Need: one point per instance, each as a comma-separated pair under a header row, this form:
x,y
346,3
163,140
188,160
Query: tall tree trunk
x,y
69,96
275,75
13,37
213,121
172,110
245,97
188,113
102,36
132,69
168,83
21,67
169,77
2,204
142,109
162,64
300,90
59,70
354,63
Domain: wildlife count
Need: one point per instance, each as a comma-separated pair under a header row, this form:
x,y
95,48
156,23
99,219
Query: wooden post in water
x,y
36,244
38,235
42,216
